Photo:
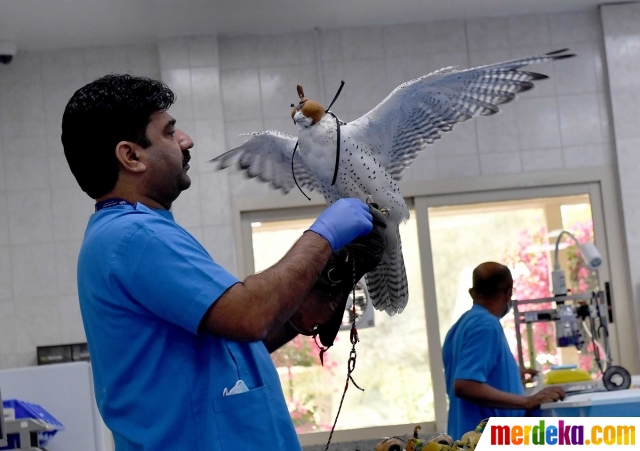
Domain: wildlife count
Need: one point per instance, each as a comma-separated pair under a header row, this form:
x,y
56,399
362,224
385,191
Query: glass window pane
x,y
392,360
521,235
462,238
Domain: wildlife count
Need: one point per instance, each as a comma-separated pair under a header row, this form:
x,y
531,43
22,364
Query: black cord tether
x,y
335,172
294,172
335,97
351,363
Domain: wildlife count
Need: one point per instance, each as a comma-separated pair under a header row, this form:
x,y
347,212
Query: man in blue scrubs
x,y
170,332
483,378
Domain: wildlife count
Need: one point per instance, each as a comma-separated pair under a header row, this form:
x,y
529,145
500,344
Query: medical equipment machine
x,y
575,316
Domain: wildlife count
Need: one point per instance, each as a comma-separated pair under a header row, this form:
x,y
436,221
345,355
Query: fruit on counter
x,y
397,444
442,438
471,438
414,443
390,444
440,442
432,446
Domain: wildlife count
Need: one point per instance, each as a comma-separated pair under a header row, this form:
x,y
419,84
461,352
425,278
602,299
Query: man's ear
x,y
128,156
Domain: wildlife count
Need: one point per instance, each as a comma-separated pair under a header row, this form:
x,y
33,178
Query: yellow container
x,y
565,375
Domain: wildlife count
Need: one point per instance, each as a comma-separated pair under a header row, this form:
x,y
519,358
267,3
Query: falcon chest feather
x,y
360,174
318,147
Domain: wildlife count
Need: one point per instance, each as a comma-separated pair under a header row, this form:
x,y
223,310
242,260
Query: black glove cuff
x,y
337,276
293,326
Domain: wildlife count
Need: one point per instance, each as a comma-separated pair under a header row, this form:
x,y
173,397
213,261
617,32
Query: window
x,y
522,235
392,357
399,358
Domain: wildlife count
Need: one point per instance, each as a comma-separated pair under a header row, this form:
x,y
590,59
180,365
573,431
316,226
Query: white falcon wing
x,y
416,113
267,156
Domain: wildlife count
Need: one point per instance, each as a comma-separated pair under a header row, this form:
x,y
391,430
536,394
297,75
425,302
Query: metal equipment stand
x,y
582,307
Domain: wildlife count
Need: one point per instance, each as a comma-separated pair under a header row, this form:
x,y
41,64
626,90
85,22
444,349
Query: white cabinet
x,y
66,392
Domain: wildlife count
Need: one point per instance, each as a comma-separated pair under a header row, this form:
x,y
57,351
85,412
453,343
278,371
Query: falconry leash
x,y
353,335
351,363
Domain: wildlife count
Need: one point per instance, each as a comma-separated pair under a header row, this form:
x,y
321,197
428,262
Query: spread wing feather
x,y
416,113
267,157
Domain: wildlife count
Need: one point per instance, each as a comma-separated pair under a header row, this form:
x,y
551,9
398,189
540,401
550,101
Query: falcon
x,y
366,157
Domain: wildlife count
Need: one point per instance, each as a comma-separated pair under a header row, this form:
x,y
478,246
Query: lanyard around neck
x,y
111,203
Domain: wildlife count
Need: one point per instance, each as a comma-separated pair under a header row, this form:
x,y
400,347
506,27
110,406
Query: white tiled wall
x,y
232,85
191,68
43,213
622,40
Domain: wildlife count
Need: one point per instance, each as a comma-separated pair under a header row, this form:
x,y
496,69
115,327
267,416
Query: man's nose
x,y
184,140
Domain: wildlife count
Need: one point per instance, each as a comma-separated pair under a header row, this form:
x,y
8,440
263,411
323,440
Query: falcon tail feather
x,y
387,284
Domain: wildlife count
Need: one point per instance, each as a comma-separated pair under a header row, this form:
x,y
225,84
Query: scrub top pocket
x,y
246,419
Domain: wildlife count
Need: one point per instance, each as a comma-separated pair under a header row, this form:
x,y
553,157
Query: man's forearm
x,y
291,279
486,395
249,310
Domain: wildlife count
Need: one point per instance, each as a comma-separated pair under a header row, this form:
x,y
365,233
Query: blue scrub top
x,y
144,285
476,349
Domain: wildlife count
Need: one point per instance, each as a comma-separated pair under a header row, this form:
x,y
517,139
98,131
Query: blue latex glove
x,y
344,221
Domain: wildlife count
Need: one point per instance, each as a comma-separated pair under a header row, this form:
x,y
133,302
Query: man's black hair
x,y
99,115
